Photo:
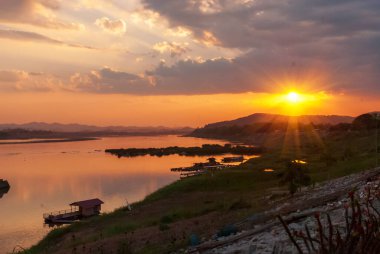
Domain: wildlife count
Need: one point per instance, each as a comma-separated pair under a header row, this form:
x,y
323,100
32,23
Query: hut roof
x,y
88,203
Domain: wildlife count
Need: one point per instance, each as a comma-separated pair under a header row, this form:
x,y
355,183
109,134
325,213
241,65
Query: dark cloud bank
x,y
332,45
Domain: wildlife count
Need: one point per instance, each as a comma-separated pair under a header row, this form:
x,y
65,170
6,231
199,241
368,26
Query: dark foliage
x,y
187,151
296,175
366,121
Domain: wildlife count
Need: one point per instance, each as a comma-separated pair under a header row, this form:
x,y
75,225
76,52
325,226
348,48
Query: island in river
x,y
206,149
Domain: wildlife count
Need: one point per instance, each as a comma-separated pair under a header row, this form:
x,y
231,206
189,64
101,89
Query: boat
x,y
233,159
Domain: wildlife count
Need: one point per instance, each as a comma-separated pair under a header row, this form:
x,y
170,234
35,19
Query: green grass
x,y
49,239
237,190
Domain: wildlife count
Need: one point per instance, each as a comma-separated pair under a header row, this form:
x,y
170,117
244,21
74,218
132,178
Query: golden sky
x,y
191,62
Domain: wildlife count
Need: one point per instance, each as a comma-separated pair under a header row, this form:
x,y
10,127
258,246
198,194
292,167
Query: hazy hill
x,y
274,118
74,128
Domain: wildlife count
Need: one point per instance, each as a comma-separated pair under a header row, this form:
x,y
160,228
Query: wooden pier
x,y
63,216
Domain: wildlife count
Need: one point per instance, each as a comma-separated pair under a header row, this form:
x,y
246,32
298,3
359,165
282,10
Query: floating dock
x,y
78,210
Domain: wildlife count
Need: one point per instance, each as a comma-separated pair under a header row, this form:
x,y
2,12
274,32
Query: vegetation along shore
x,y
205,150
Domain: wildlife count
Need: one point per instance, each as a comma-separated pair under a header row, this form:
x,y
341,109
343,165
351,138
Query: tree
x,y
366,122
328,158
296,175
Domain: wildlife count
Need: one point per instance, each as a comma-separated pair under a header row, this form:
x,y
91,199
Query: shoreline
x,y
48,141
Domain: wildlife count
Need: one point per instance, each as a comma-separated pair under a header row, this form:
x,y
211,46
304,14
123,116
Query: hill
x,y
75,128
275,118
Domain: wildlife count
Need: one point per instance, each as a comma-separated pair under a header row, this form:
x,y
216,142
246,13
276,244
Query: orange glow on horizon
x,y
174,110
297,103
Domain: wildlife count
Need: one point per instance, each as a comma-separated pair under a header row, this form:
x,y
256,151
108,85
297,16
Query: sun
x,y
296,102
293,97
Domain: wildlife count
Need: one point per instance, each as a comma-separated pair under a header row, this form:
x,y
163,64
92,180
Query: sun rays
x,y
293,102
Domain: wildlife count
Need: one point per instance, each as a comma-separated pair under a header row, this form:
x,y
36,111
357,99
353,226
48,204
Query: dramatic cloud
x,y
282,38
173,48
34,12
116,26
263,23
107,80
30,36
323,45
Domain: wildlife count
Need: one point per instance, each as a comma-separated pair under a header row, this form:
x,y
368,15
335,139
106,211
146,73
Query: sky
x,y
188,62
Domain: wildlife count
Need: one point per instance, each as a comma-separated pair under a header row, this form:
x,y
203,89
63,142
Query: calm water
x,y
47,177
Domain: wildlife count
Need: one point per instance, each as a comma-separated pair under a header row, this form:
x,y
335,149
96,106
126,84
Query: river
x,y
46,177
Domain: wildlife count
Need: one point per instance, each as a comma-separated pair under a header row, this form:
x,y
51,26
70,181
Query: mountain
x,y
270,118
74,128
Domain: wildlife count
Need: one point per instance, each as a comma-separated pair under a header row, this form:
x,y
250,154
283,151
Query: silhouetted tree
x,y
296,175
365,122
328,158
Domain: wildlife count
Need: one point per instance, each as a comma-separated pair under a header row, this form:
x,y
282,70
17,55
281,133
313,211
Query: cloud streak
x,y
35,12
30,36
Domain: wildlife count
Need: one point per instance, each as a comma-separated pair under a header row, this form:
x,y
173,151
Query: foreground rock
x,y
263,233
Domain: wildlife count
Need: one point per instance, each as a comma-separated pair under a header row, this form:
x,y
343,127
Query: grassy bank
x,y
203,206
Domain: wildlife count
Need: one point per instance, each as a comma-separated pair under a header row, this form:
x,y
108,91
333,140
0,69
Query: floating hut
x,y
78,210
88,207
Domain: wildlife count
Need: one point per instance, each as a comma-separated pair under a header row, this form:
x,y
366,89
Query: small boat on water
x,y
78,210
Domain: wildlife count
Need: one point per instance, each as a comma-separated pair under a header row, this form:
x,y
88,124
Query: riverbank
x,y
197,208
74,171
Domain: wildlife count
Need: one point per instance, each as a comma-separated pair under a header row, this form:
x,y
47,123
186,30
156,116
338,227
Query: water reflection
x,y
47,177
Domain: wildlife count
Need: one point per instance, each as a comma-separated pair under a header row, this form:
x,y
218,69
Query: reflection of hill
x,y
4,188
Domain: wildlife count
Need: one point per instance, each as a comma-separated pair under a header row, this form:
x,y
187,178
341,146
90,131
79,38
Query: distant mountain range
x,y
75,128
270,118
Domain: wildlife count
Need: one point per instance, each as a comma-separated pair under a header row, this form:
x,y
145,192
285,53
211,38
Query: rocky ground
x,y
264,233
